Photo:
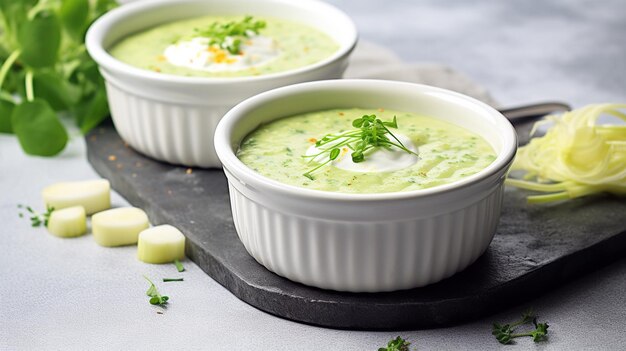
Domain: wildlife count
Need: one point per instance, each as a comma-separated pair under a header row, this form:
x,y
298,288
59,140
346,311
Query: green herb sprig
x,y
372,133
36,218
397,344
155,297
45,70
505,333
230,35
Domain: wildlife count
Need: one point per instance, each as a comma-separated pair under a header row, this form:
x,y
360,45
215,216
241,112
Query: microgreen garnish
x,y
371,133
230,35
165,280
505,333
36,218
397,344
179,266
155,297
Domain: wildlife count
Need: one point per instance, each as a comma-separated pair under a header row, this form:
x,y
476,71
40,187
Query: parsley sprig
x,y
505,333
372,133
36,218
230,35
397,344
155,297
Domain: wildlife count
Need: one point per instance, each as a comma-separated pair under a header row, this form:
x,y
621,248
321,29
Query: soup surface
x,y
200,47
445,153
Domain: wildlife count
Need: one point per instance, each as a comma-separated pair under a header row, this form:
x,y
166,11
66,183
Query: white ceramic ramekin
x,y
365,242
172,118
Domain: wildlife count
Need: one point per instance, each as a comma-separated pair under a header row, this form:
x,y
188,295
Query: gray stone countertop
x,y
74,295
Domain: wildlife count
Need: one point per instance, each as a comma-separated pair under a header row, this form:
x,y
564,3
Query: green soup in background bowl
x,y
187,48
172,117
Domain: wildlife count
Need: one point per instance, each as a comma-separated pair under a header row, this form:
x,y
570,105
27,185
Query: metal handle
x,y
523,113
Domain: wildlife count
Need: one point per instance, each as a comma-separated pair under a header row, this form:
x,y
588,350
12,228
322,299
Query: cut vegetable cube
x,y
68,222
93,195
161,244
119,226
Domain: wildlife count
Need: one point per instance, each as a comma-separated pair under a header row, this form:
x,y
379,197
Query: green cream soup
x,y
446,152
194,47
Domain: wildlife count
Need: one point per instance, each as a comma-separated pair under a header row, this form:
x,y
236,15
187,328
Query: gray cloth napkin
x,y
372,61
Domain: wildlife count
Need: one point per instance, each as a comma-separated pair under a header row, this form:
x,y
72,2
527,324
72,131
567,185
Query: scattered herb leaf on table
x,y
397,344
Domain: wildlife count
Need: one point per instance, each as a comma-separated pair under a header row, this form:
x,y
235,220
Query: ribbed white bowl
x,y
365,242
173,118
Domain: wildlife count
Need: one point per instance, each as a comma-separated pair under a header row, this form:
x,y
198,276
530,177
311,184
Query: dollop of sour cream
x,y
376,160
197,54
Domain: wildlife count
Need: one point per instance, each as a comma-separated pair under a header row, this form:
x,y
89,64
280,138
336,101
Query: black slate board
x,y
535,249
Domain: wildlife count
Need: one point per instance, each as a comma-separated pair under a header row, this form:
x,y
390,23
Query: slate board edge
x,y
368,316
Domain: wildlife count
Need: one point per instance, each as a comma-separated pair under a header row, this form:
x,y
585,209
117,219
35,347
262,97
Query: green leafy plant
x,y
230,35
397,344
46,71
36,218
504,333
155,297
371,133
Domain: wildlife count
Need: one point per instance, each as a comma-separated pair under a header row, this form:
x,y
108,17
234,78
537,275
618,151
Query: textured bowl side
x,y
367,256
175,133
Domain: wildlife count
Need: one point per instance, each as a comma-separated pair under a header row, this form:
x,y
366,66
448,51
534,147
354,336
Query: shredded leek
x,y
576,157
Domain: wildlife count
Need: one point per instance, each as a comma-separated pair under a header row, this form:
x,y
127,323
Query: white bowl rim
x,y
98,30
244,174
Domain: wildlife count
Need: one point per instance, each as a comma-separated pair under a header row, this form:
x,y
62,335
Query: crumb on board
x,y
189,171
112,157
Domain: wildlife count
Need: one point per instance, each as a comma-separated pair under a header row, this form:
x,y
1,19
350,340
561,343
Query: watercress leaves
x,y
74,14
6,110
38,128
40,39
93,111
60,94
43,57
